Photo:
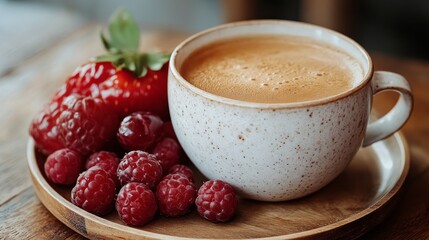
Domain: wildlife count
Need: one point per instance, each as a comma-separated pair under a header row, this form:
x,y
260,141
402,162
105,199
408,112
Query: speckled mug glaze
x,y
276,152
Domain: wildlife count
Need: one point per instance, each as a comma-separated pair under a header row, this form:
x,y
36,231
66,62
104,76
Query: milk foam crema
x,y
271,69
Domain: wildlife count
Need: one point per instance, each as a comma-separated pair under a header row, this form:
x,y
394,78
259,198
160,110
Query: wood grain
x,y
23,212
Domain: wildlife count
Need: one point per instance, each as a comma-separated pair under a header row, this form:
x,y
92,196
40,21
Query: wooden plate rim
x,y
39,180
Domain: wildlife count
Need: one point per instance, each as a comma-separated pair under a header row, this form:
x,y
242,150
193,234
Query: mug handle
x,y
398,115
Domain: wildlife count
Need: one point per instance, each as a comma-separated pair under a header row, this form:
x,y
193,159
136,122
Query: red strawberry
x,y
127,93
85,79
126,80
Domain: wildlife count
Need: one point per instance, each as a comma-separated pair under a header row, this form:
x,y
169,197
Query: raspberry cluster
x,y
147,179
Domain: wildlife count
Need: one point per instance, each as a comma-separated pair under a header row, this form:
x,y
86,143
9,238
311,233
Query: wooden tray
x,y
357,200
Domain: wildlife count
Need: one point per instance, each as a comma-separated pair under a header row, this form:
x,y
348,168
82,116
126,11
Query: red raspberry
x,y
86,124
136,204
216,201
140,166
168,153
168,130
175,195
94,191
139,131
63,166
182,169
107,161
44,129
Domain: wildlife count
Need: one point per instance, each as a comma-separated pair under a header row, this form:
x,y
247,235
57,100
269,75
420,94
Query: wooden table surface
x,y
29,76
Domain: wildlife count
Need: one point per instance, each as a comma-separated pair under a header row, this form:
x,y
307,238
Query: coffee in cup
x,y
271,69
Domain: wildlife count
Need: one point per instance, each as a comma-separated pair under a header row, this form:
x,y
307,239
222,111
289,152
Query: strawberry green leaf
x,y
104,41
124,33
141,69
130,64
122,45
116,59
155,61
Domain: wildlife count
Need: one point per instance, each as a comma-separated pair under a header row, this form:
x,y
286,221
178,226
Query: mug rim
x,y
289,105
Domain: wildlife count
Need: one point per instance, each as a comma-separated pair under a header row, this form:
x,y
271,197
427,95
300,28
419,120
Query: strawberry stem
x,y
123,43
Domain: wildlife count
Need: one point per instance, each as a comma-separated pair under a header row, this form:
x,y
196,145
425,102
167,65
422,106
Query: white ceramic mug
x,y
276,152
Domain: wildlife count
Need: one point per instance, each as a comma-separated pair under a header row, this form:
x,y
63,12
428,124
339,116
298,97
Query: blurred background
x,y
393,27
